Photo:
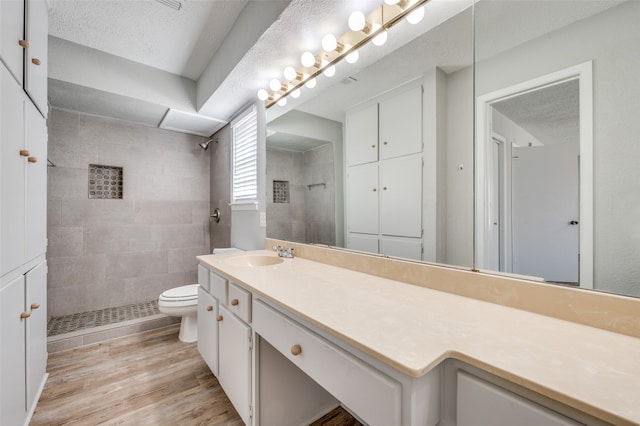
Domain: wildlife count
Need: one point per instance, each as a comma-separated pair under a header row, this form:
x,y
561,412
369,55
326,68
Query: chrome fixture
x,y
205,145
285,252
215,215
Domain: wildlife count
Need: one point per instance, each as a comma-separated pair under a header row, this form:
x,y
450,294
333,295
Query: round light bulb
x,y
391,2
353,57
307,59
275,85
263,95
311,83
330,71
381,38
282,101
295,94
357,21
290,73
329,43
416,15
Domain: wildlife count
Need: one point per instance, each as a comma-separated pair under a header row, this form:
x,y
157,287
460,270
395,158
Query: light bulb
x,y
295,93
353,57
357,21
282,101
275,85
307,59
329,43
416,15
381,38
330,71
290,73
311,83
391,2
263,95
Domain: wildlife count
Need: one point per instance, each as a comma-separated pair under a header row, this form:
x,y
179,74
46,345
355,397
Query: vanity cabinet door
x,y
363,242
362,190
35,131
235,361
401,124
208,329
36,55
405,248
401,197
362,135
11,32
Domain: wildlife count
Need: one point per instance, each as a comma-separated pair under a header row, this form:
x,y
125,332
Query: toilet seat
x,y
185,295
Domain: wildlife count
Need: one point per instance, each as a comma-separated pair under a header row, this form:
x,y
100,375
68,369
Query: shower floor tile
x,y
85,320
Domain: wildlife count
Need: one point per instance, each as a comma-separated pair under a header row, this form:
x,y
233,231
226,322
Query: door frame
x,y
484,137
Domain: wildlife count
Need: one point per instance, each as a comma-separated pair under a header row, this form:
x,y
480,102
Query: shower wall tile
x,y
163,212
104,253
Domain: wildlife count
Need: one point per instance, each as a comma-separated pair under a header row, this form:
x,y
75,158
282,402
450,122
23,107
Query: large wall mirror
x,y
551,129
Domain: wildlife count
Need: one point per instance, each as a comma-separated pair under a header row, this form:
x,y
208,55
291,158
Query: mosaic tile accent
x,y
90,319
280,191
105,182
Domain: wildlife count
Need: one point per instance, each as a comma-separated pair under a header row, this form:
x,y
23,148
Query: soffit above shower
x,y
185,122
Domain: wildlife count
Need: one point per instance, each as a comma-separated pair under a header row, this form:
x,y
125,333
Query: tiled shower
x,y
116,255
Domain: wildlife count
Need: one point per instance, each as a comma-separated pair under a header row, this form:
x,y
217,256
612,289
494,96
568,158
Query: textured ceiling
x,y
550,114
178,41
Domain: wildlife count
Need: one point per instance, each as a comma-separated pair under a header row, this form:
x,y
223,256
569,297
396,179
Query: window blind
x,y
244,182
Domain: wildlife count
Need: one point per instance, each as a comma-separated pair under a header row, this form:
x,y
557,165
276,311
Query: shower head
x,y
205,145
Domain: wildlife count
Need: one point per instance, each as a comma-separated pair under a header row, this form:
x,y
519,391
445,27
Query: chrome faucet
x,y
284,251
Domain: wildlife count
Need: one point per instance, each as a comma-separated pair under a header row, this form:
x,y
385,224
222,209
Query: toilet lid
x,y
185,292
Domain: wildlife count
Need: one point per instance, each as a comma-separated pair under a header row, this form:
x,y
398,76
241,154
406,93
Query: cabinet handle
x,y
32,159
23,43
35,305
385,142
384,188
373,146
24,153
219,318
374,189
234,302
25,315
209,308
296,350
35,61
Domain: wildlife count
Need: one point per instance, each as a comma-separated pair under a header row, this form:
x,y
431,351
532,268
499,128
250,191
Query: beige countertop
x,y
413,329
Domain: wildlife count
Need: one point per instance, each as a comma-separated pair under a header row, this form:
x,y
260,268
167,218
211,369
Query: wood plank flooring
x,y
149,378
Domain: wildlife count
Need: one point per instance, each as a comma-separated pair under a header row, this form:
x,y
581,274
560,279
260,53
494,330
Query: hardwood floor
x,y
149,378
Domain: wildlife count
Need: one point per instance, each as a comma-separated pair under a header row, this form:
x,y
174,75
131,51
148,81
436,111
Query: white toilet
x,y
182,302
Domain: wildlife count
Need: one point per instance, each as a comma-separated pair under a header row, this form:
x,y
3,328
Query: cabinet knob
x,y
24,153
25,315
385,142
35,61
374,189
219,318
296,350
384,188
32,159
35,305
23,43
234,302
209,308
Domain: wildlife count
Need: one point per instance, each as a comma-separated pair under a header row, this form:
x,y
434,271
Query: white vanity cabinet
x,y
208,311
12,36
36,54
362,187
362,133
400,122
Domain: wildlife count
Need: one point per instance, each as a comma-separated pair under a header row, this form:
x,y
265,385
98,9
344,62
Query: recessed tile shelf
x,y
105,182
280,191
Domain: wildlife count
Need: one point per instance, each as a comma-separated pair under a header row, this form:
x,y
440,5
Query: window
x,y
244,157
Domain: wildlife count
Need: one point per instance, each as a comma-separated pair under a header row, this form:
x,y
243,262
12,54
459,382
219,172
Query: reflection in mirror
x,y
557,195
398,126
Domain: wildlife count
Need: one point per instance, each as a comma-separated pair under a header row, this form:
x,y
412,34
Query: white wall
x,y
611,40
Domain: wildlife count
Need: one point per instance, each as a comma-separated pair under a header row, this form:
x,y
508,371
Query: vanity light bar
x,y
379,20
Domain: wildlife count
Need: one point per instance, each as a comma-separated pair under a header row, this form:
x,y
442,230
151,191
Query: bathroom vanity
x,y
290,339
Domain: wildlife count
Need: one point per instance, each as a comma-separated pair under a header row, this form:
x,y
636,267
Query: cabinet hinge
x,y
250,411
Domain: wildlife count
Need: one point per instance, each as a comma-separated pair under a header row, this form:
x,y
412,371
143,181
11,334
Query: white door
x,y
401,197
235,361
362,198
36,298
11,32
545,212
36,183
12,171
36,56
401,124
362,135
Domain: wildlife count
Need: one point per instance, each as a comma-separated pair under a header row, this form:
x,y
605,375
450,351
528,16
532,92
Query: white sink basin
x,y
254,260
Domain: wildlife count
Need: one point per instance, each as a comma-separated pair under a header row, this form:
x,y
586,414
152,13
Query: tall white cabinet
x,y
384,174
23,206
